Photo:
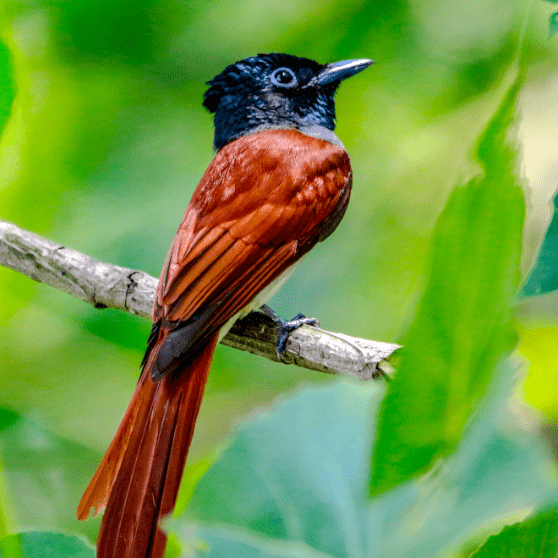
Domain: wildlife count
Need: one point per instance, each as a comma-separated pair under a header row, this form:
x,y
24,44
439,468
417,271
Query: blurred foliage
x,y
553,22
7,85
44,473
539,345
106,141
44,544
544,276
461,328
305,494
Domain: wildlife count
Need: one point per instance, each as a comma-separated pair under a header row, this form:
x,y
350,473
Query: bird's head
x,y
275,91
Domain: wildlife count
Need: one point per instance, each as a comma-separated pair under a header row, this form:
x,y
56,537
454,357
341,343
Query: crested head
x,y
275,91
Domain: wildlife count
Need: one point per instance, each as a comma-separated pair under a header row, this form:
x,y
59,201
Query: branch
x,y
110,286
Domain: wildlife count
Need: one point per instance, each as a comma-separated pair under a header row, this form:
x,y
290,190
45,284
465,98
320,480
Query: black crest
x,y
250,73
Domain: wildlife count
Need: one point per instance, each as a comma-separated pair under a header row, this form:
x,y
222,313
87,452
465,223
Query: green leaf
x,y
293,482
536,537
544,275
7,85
44,544
461,327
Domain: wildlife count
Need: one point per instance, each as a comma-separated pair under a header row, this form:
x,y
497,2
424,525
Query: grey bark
x,y
110,286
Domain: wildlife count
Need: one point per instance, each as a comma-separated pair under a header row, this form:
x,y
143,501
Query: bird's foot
x,y
284,328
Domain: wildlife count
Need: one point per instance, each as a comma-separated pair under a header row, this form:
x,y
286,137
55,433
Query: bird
x,y
279,183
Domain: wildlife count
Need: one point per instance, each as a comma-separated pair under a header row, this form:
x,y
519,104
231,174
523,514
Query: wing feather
x,y
262,204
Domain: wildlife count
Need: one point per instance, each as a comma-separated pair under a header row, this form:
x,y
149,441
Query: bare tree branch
x,y
110,286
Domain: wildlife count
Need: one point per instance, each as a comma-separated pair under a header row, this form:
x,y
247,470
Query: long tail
x,y
139,476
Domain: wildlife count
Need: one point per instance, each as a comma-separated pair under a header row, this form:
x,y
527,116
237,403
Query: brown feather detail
x,y
261,192
261,274
196,283
218,282
97,493
147,482
264,201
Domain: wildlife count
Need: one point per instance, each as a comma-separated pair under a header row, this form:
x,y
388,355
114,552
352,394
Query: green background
x,y
107,140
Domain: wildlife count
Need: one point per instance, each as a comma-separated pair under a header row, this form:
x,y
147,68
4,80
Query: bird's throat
x,y
312,130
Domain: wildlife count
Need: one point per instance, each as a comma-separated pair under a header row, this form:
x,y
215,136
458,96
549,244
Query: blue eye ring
x,y
284,78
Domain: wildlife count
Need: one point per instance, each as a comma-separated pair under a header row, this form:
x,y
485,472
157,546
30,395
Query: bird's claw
x,y
284,328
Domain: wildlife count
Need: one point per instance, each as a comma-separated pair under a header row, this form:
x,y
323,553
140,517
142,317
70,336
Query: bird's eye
x,y
284,77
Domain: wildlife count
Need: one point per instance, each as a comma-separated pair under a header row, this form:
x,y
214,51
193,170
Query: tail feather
x,y
139,481
97,492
